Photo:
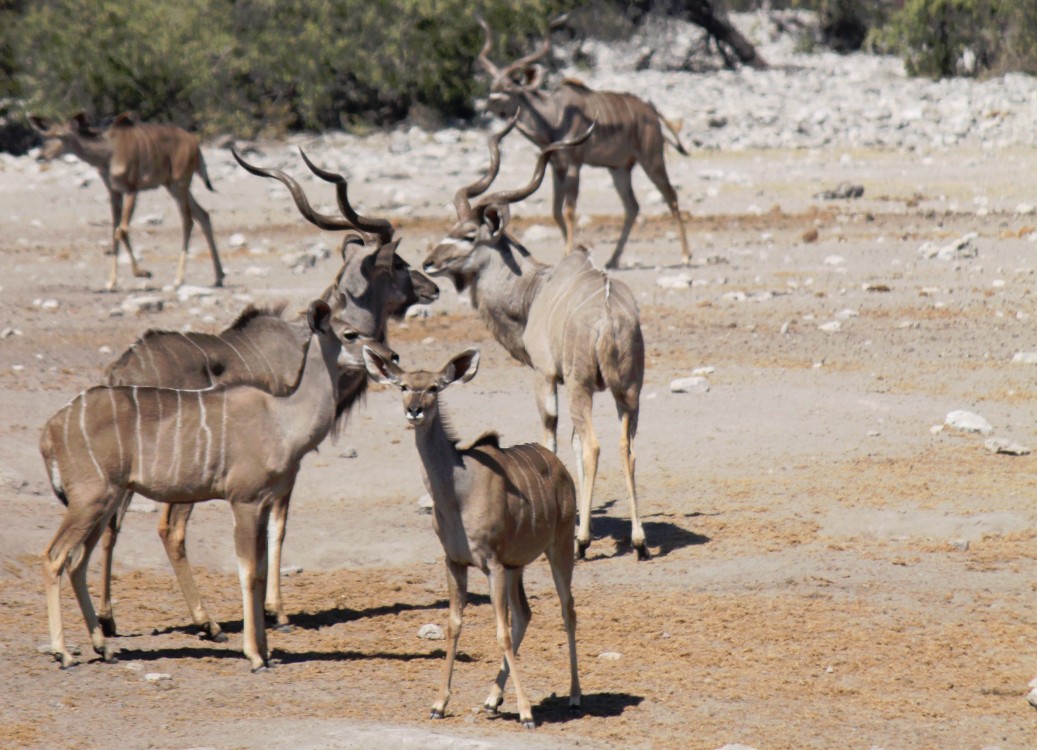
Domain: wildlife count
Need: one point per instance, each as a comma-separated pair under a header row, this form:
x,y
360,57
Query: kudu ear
x,y
530,77
386,373
38,123
124,120
495,220
461,368
386,255
79,122
319,316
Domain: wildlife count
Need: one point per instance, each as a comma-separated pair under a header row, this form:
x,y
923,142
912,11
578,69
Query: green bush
x,y
255,66
963,37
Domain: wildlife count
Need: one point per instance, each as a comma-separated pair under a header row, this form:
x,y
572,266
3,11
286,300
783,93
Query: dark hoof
x,y
576,710
529,724
285,628
212,633
261,669
492,709
218,283
143,274
65,660
642,552
436,714
581,550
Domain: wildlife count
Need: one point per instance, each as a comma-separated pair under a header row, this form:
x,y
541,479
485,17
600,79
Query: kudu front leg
x,y
585,451
274,604
123,205
77,576
518,606
172,530
621,178
499,598
572,192
457,584
627,427
106,614
250,529
202,217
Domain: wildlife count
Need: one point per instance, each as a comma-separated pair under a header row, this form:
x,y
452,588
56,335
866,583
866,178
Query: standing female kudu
x,y
131,157
495,509
186,446
570,322
264,350
627,132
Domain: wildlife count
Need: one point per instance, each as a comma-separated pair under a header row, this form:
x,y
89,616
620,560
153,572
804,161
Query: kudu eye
x,y
350,336
403,388
433,389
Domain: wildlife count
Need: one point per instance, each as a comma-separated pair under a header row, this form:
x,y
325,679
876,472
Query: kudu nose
x,y
415,412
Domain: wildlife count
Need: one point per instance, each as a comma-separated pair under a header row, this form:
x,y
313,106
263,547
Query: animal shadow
x,y
555,709
663,537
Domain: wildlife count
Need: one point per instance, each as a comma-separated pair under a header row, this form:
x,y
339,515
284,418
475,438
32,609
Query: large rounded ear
x,y
319,316
495,220
531,77
461,368
38,123
384,372
124,120
79,122
385,255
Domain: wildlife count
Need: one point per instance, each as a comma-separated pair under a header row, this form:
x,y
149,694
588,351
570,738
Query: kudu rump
x,y
131,157
627,131
187,446
263,349
496,509
571,323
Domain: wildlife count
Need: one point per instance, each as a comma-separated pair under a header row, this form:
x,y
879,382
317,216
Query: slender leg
x,y
122,232
572,192
657,174
547,404
250,520
586,450
560,556
106,614
558,198
77,575
180,195
499,599
202,217
518,607
621,178
457,583
172,530
628,427
274,603
116,201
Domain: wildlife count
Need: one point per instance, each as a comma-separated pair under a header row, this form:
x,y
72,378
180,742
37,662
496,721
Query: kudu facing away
x,y
186,446
627,131
263,349
131,157
496,509
570,322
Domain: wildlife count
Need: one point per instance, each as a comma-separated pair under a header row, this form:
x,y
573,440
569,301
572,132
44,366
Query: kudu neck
x,y
309,410
437,449
96,152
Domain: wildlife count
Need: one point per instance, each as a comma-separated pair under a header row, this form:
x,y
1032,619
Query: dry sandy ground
x,y
827,572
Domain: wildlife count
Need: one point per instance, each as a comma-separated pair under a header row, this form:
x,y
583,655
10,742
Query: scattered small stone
x,y
832,326
431,632
876,287
843,191
418,311
680,281
961,248
291,570
610,656
142,505
1007,447
237,240
158,676
142,304
1025,358
187,293
348,453
689,385
962,545
834,260
6,333
539,233
133,666
966,421
428,341
703,371
425,503
810,236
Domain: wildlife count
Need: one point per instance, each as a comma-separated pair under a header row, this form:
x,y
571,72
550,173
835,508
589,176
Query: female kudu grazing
x,y
262,349
131,157
184,446
496,509
570,322
627,132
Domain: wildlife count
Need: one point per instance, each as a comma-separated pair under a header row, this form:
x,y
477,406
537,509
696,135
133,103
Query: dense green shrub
x,y
261,65
963,37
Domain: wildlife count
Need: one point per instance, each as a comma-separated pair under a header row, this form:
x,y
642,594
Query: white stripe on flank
x,y
157,380
86,437
208,433
208,366
177,438
115,424
243,360
223,435
158,433
137,426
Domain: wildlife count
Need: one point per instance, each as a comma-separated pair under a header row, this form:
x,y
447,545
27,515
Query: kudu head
x,y
420,389
60,138
481,226
523,76
374,282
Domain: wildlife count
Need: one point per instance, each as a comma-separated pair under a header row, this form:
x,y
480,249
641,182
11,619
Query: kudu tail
x,y
674,128
203,173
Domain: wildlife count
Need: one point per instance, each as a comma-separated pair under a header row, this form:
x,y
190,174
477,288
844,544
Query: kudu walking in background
x,y
570,322
263,349
130,157
627,131
496,509
187,446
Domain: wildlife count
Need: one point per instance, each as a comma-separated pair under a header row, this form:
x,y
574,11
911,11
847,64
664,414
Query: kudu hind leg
x,y
499,582
627,430
561,558
202,217
621,178
547,405
123,206
457,584
657,174
274,604
518,608
106,614
77,576
585,452
172,530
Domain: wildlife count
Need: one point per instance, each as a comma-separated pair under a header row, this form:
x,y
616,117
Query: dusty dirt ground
x,y
827,570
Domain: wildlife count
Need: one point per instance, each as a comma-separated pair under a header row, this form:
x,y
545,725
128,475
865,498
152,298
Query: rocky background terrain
x,y
837,494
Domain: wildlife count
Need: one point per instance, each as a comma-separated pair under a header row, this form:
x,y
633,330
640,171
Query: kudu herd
x,y
177,417
132,156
